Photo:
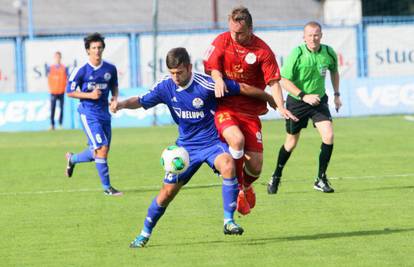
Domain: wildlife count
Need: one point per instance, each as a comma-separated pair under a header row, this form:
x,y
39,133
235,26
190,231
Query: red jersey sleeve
x,y
213,58
270,67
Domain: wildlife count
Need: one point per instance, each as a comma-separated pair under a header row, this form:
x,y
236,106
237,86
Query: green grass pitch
x,y
47,219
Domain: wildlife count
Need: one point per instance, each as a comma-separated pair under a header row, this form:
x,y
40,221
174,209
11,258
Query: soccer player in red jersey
x,y
242,56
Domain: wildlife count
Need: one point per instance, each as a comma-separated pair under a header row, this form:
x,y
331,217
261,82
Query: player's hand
x,y
95,94
338,103
220,88
287,114
312,99
113,105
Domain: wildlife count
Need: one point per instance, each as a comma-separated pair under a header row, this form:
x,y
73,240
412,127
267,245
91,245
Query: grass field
x,y
47,219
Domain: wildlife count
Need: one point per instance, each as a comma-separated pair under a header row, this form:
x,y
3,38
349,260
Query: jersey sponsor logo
x,y
250,58
186,114
92,85
107,76
198,103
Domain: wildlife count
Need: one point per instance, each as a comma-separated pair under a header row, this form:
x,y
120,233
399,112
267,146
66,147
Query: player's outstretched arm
x,y
130,103
278,97
94,95
220,87
255,92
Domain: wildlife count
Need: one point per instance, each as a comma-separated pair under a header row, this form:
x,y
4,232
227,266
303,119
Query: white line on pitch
x,y
190,186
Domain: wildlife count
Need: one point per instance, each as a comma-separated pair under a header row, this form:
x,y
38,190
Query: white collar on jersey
x,y
182,88
95,67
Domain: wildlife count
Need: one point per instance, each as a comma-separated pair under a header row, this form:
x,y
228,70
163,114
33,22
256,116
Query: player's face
x,y
181,75
312,36
240,32
95,52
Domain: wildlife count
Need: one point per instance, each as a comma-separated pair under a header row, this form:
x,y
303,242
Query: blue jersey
x,y
85,78
192,107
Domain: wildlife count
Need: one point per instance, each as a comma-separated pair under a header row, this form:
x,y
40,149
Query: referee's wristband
x,y
301,95
337,94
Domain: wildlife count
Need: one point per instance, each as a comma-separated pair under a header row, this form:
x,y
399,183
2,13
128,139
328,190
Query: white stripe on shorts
x,y
88,130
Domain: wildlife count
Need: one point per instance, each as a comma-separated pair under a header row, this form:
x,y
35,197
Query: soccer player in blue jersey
x,y
91,84
191,101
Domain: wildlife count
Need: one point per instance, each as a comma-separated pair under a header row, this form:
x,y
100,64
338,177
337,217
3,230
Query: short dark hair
x,y
58,53
94,37
313,24
240,14
176,57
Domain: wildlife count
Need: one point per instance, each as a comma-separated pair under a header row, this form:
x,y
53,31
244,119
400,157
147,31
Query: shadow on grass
x,y
312,237
341,190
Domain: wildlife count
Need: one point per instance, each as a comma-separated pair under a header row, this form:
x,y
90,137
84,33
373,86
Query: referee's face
x,y
312,36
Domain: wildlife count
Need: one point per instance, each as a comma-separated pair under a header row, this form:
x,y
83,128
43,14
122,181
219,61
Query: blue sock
x,y
153,215
103,171
84,156
230,191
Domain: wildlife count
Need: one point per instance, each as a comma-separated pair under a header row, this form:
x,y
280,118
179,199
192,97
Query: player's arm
x,y
311,99
278,97
255,92
130,103
95,94
219,86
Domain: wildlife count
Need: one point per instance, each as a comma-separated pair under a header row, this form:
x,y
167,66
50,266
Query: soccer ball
x,y
175,159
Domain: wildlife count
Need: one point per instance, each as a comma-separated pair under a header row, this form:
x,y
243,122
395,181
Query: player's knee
x,y
235,141
102,152
328,138
227,168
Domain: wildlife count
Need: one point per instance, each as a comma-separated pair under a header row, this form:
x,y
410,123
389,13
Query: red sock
x,y
239,170
248,179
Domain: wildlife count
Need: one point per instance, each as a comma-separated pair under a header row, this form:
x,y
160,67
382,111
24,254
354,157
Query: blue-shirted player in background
x,y
92,83
191,101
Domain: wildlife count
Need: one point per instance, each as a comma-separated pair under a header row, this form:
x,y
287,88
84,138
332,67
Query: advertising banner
x,y
39,55
31,112
281,42
390,50
7,67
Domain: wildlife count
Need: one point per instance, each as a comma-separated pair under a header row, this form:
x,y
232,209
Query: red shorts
x,y
250,126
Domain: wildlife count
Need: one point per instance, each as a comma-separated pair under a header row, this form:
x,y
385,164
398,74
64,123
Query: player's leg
x,y
61,105
224,163
103,135
155,211
252,130
171,187
284,154
325,129
52,111
302,111
228,128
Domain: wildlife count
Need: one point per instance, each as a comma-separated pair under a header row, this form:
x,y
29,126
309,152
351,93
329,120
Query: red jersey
x,y
253,64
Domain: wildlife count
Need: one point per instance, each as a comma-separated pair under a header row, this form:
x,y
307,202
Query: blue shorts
x,y
198,155
97,131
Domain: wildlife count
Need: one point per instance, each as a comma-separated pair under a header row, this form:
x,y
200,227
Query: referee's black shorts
x,y
304,112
